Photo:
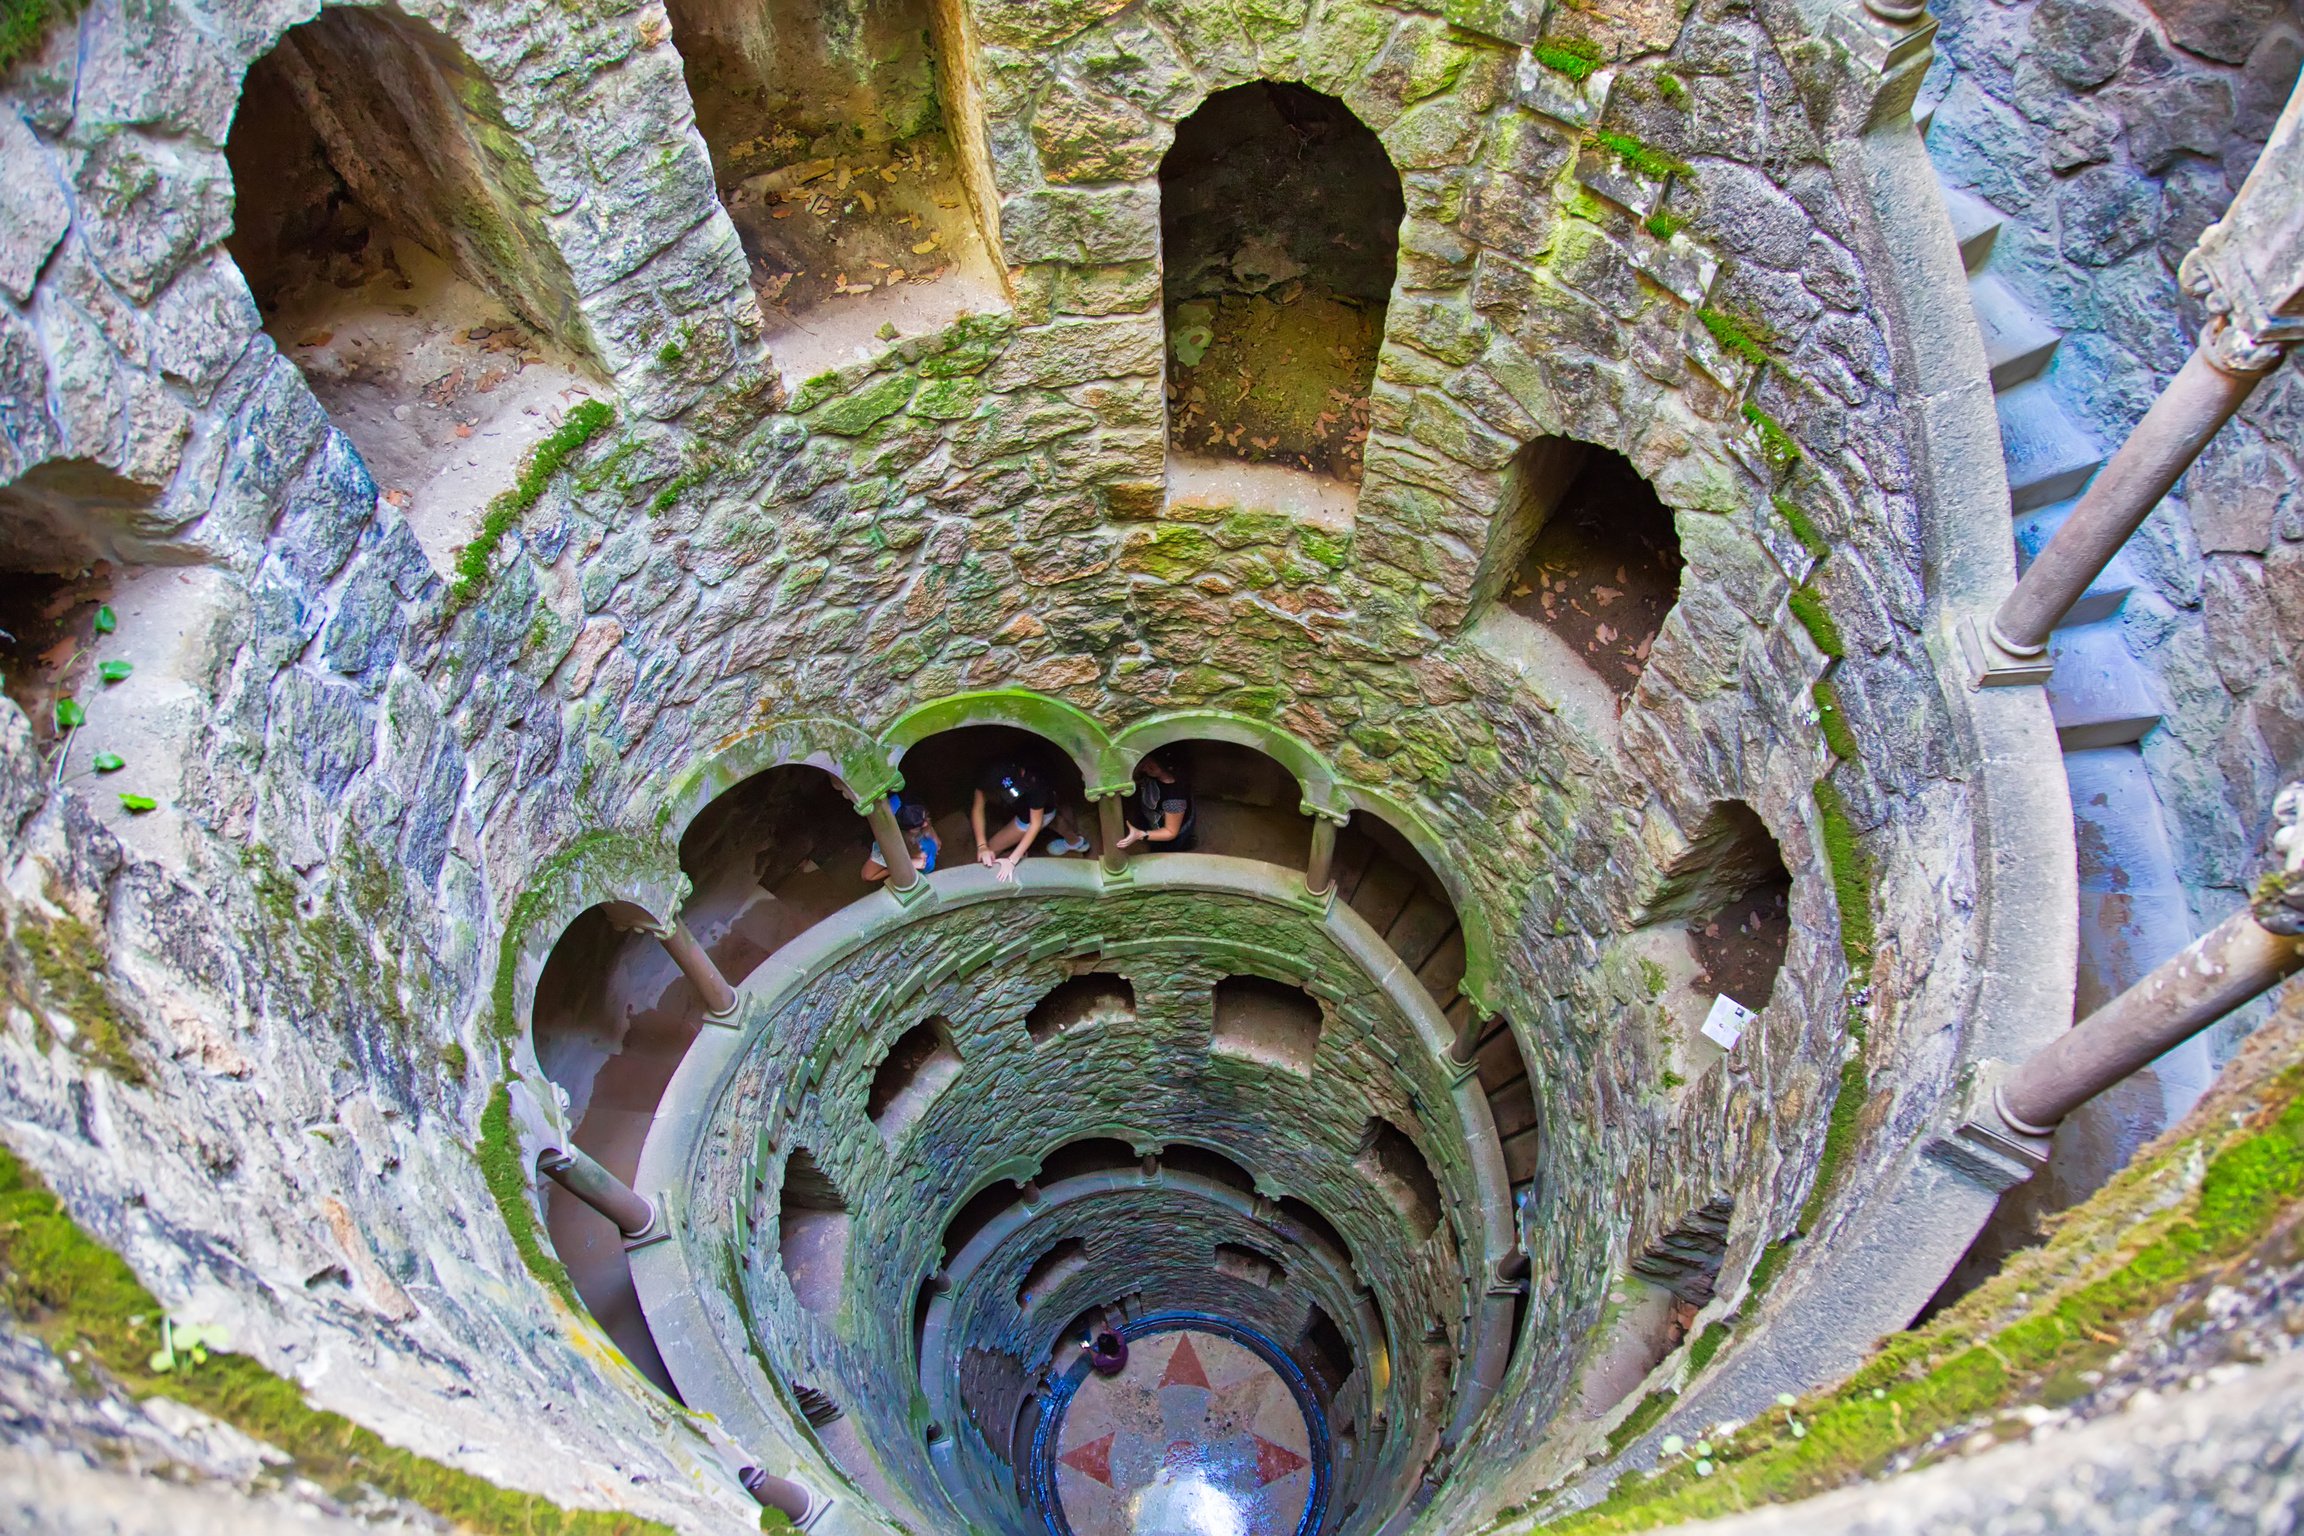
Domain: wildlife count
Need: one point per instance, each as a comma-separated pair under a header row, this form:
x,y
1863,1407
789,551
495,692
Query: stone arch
x,y
843,750
1479,980
1315,776
1583,548
601,868
1069,729
575,1026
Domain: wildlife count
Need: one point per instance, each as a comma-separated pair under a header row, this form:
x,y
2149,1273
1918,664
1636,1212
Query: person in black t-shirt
x,y
1013,803
1160,811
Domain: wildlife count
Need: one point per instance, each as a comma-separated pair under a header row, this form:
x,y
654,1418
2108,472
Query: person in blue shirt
x,y
919,837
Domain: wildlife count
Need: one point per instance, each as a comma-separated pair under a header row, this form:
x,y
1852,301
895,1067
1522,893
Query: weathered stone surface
x,y
1082,227
2221,31
1087,137
33,210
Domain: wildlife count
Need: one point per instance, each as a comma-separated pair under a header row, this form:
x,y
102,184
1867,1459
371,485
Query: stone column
x,y
2212,384
1320,867
1467,1041
2247,271
889,838
2250,951
1111,826
782,1495
576,1172
696,965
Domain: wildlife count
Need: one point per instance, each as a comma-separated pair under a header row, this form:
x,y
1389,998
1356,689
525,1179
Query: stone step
x,y
2105,594
2100,695
2049,457
1975,224
2133,913
1922,118
2016,343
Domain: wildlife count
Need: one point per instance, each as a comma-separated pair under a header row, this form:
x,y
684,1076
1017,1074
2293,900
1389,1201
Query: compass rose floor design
x,y
1197,1437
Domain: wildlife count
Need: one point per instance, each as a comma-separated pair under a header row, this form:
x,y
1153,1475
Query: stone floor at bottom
x,y
1197,1437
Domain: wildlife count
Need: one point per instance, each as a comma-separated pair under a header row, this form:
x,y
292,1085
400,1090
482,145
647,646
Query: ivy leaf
x,y
106,620
69,714
109,762
114,671
138,802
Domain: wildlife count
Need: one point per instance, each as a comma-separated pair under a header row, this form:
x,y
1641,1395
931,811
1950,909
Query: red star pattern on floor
x,y
1196,1430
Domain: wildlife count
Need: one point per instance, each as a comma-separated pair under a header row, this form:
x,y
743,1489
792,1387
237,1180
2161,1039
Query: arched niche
x,y
61,524
1070,730
942,771
850,189
1246,803
589,1001
1729,888
1584,551
1279,227
396,241
767,859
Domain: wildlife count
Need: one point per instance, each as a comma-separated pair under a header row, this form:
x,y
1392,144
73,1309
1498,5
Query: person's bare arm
x,y
1005,868
1171,828
984,854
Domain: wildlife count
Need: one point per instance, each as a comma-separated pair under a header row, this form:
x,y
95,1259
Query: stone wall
x,y
373,781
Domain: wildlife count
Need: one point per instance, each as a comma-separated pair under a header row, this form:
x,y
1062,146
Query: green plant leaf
x,y
69,714
114,671
138,802
106,620
109,762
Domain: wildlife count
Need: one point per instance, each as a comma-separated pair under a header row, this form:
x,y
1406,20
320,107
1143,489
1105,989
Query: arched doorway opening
x,y
395,242
830,143
1280,229
1586,552
943,774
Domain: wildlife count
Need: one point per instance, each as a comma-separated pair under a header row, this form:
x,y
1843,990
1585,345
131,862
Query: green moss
x,y
678,486
1833,722
1809,609
24,25
1773,1258
1641,1419
455,1060
1652,977
1663,225
1640,156
1706,1346
1851,876
67,962
79,1298
1977,1359
1737,336
1803,527
1576,57
544,461
506,1173
1672,88
1333,550
1839,1138
852,414
1776,443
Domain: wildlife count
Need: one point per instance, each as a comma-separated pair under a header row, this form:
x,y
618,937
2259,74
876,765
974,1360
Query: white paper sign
x,y
1726,1023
